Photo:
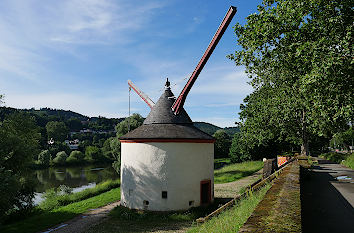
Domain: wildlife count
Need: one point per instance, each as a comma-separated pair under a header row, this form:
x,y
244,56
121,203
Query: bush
x,y
349,161
93,154
60,158
44,158
75,157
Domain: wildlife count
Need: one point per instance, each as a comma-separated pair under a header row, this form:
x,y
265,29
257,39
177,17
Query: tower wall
x,y
148,169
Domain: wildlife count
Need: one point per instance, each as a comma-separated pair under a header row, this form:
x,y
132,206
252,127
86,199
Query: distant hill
x,y
211,129
44,115
57,113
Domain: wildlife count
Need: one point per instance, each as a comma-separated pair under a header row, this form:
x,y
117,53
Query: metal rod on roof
x,y
178,104
129,110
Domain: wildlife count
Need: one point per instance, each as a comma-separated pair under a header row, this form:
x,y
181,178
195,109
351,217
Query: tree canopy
x,y
299,57
57,130
129,123
222,144
18,145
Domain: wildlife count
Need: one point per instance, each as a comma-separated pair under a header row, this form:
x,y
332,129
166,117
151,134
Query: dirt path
x,y
230,190
84,221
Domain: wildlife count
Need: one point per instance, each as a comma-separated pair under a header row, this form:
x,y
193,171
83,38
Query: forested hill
x,y
75,121
44,115
211,129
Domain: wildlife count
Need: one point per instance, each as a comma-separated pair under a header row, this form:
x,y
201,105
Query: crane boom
x,y
142,95
178,104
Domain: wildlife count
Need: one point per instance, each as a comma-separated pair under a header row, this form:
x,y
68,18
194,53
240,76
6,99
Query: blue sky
x,y
78,55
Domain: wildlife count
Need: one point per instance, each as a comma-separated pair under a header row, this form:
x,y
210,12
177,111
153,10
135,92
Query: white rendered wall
x,y
147,169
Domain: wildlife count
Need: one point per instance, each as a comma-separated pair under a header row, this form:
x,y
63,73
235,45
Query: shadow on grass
x,y
41,221
123,219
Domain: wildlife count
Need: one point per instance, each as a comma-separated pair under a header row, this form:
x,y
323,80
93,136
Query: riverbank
x,y
57,210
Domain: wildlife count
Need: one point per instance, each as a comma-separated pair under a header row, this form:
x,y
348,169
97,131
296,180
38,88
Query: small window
x,y
130,192
164,194
145,202
191,203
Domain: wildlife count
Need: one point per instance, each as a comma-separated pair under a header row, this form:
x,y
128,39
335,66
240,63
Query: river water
x,y
78,178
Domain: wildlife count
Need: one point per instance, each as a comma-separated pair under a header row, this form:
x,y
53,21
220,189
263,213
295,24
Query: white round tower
x,y
167,163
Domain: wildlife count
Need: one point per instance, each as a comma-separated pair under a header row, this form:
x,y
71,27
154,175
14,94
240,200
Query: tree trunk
x,y
305,139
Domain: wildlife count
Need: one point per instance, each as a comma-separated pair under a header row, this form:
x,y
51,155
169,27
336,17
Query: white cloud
x,y
30,30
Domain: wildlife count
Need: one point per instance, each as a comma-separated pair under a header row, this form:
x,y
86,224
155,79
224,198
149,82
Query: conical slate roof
x,y
163,124
162,113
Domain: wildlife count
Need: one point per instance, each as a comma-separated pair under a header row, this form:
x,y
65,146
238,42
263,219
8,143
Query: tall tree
x,y
57,130
18,145
129,123
222,144
299,56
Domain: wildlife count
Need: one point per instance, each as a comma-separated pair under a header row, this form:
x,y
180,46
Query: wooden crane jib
x,y
178,104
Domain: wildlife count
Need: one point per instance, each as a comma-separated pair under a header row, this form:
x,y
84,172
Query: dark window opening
x,y
145,202
191,203
164,194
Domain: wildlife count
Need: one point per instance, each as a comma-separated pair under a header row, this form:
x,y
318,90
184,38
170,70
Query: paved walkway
x,y
327,200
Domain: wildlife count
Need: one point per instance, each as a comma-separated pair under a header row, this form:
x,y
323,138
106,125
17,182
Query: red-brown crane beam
x,y
178,104
142,95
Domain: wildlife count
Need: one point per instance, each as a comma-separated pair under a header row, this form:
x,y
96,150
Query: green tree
x,y
115,146
222,144
129,123
74,124
75,157
19,141
343,139
134,121
238,152
60,158
57,130
93,154
298,55
44,158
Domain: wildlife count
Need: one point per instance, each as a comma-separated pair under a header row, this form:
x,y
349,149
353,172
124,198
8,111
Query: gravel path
x,y
84,221
231,189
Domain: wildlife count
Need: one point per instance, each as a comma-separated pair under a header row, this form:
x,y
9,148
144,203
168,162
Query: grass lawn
x,y
236,171
233,219
43,219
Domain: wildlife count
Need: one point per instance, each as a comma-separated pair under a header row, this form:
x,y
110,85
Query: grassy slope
x,y
345,159
53,200
236,171
46,219
233,219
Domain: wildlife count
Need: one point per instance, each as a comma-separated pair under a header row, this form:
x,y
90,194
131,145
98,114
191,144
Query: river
x,y
77,178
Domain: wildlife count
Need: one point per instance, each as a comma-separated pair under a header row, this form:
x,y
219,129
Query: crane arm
x,y
142,95
178,104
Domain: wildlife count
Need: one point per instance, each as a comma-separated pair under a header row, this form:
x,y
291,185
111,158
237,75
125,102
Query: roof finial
x,y
167,85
